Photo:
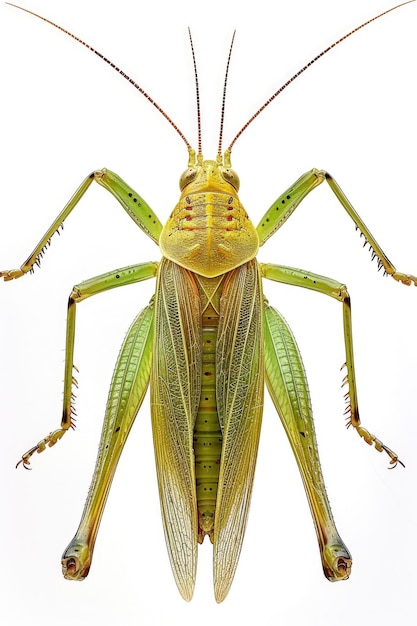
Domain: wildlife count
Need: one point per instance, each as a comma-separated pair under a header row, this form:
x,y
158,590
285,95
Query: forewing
x,y
175,395
239,388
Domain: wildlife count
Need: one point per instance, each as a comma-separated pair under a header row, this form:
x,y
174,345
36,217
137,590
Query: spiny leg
x,y
86,289
286,204
334,289
127,390
134,205
145,218
288,388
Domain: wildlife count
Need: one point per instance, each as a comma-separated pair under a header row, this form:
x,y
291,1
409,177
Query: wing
x,y
239,389
175,395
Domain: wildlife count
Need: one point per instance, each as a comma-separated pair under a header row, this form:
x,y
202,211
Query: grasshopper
x,y
207,343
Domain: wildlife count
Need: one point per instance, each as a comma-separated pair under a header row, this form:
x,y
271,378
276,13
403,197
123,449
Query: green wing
x,y
175,395
239,389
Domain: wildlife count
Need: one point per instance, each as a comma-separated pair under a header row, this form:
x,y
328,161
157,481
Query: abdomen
x,y
207,433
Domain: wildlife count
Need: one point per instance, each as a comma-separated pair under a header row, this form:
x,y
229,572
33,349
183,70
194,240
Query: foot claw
x,y
11,274
50,440
405,279
379,446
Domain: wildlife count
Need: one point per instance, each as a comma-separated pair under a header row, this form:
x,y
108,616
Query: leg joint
x,y
344,294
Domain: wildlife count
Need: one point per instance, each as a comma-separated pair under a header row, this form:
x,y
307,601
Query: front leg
x,y
285,205
134,205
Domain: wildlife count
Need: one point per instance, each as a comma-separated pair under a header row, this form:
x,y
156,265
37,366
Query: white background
x,y
64,113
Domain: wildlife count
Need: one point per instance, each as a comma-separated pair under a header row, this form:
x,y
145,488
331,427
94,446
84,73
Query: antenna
x,y
197,96
309,64
113,66
219,151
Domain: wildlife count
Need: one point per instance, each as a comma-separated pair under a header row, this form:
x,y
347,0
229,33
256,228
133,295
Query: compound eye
x,y
231,177
187,177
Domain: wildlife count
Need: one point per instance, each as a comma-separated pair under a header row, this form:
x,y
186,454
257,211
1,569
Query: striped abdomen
x,y
207,433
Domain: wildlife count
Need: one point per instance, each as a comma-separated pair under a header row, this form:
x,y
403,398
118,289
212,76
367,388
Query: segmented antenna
x,y
219,151
113,66
197,97
309,64
251,119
